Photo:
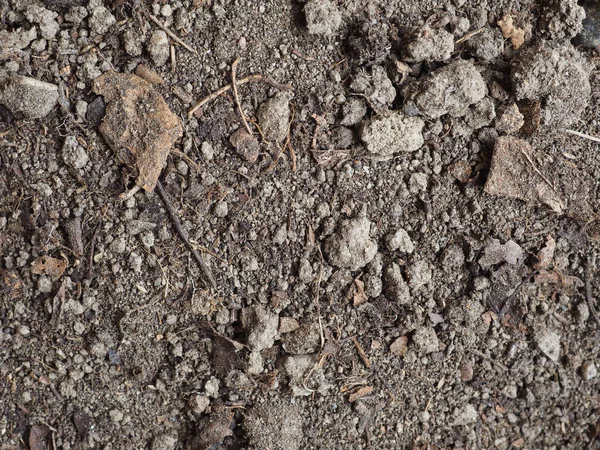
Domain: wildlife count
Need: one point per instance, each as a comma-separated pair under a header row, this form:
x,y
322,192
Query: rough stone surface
x,y
273,116
322,17
376,86
548,342
351,247
561,19
46,20
510,120
28,98
449,90
425,340
275,425
557,76
13,42
396,133
158,47
261,327
400,241
486,46
395,288
511,175
430,44
74,154
101,20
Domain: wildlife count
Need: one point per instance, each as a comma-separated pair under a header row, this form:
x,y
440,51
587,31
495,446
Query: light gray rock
x,y
351,247
426,340
28,98
45,19
400,241
74,155
273,116
101,20
261,326
396,133
430,44
548,342
322,17
158,47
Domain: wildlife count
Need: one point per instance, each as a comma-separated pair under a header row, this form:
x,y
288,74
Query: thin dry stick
x,y
208,278
249,79
361,353
583,135
171,34
537,170
468,36
187,159
235,95
589,270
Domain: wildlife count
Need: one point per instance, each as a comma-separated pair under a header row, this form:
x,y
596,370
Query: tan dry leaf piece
x,y
359,294
46,265
138,125
360,393
509,31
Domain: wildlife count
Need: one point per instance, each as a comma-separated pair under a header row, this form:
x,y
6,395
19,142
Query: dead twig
x,y
361,353
589,270
534,167
248,79
235,95
208,278
187,159
468,36
583,135
92,249
171,34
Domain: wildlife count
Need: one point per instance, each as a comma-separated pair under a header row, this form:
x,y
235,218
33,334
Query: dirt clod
x,y
27,97
139,126
395,133
352,246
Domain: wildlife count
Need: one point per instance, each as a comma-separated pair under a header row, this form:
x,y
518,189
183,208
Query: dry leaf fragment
x,y
138,125
546,255
10,284
509,31
38,437
47,265
360,393
359,293
400,346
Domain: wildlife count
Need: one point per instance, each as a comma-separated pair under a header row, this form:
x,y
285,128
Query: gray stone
x,y
132,43
449,90
375,86
426,340
45,18
588,370
101,20
387,135
351,247
400,241
165,442
430,44
13,42
74,155
28,98
548,342
396,289
261,326
273,116
322,17
158,47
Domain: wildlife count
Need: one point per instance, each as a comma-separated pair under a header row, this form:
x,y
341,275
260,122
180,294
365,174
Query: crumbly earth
x,y
359,303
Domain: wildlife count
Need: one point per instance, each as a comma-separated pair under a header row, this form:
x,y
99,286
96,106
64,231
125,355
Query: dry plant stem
x,y
235,95
171,34
537,170
207,275
589,270
468,36
583,135
481,355
187,159
361,353
248,79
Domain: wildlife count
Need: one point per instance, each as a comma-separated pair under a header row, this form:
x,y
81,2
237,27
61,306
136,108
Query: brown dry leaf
x,y
509,31
400,346
38,437
138,125
359,293
360,393
10,284
46,265
546,255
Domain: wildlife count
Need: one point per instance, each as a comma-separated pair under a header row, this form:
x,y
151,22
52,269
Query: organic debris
x,y
138,126
47,265
509,31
